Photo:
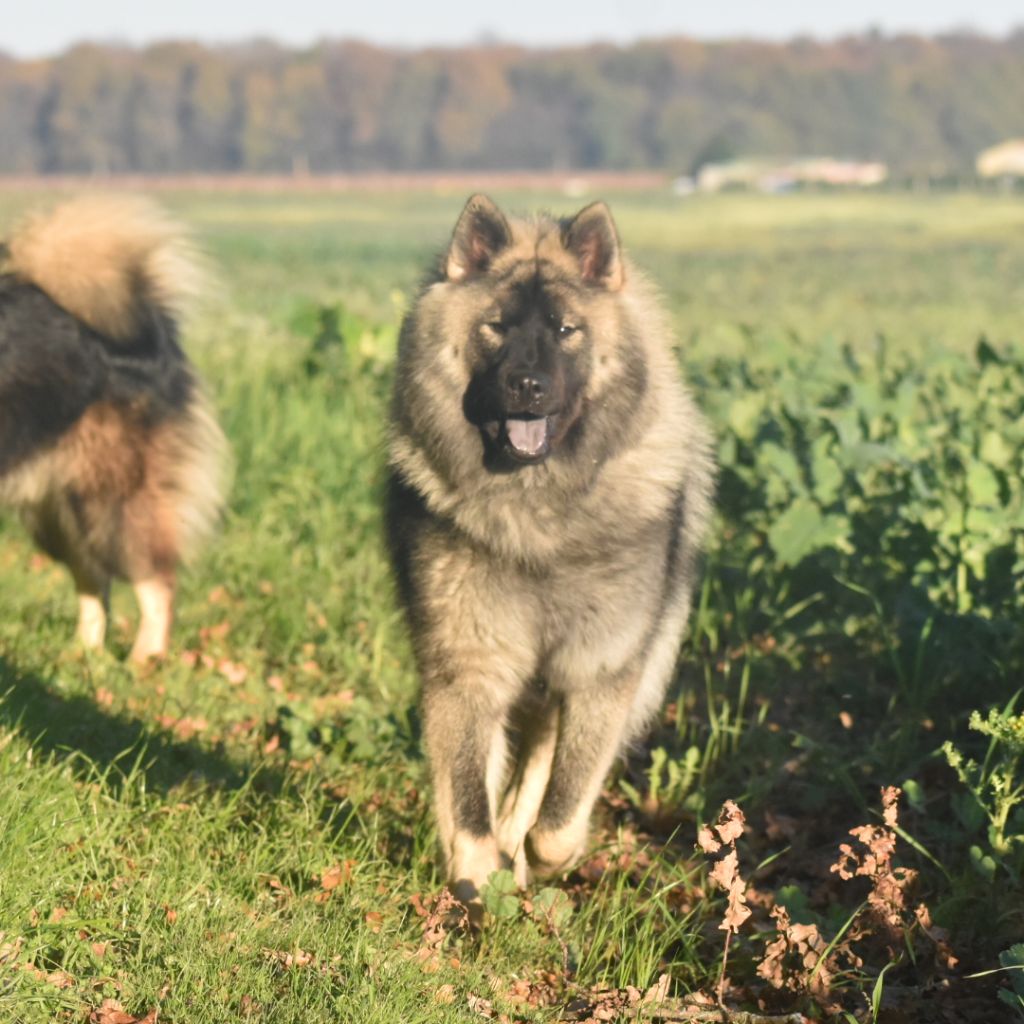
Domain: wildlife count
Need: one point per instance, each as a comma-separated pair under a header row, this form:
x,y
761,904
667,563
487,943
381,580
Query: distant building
x,y
779,176
1003,161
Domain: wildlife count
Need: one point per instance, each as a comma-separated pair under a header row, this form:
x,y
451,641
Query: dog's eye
x,y
495,325
565,330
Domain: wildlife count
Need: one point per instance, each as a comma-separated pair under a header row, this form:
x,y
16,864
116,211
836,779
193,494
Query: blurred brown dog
x,y
108,448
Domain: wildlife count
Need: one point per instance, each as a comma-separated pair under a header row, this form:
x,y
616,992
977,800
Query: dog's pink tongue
x,y
527,436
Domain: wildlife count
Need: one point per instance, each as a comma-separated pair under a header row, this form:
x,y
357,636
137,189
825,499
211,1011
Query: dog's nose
x,y
524,389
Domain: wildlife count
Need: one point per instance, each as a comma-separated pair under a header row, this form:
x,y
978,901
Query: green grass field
x,y
244,832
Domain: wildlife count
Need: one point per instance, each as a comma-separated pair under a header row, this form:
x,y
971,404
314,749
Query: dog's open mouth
x,y
525,438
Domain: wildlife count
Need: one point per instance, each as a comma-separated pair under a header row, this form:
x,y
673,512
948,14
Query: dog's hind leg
x,y
590,735
155,597
93,602
92,618
150,556
524,795
60,527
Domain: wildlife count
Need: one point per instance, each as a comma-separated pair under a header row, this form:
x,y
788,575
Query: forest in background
x,y
925,106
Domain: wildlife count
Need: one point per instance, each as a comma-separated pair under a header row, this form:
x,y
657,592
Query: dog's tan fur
x,y
102,258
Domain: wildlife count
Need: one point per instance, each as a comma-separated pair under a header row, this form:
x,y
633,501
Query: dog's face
x,y
531,303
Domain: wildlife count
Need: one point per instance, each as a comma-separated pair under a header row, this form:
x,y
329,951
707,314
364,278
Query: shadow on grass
x,y
65,726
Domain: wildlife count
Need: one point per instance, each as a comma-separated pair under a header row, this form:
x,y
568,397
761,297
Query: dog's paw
x,y
552,853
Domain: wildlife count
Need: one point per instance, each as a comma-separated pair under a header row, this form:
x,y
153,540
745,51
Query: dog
x,y
550,487
108,447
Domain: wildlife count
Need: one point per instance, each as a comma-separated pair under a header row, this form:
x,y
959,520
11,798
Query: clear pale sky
x,y
48,26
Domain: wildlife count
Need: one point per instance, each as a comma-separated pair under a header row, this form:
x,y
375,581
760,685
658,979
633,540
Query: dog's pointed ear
x,y
592,238
480,234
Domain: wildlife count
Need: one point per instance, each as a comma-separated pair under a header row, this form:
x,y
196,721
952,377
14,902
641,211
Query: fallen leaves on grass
x,y
183,728
944,956
442,915
890,886
9,951
332,877
726,875
800,959
290,959
598,1006
111,1011
544,989
301,960
58,979
444,994
233,671
280,890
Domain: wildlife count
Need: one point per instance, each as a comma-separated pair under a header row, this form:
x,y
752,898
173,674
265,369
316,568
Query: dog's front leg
x,y
591,731
464,731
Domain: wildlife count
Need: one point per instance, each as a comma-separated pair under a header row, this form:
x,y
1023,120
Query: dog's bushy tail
x,y
108,261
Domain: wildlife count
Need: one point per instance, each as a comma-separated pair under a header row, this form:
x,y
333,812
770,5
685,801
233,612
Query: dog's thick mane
x,y
109,262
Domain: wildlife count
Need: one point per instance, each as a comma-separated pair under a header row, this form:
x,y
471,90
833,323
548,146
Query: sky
x,y
46,28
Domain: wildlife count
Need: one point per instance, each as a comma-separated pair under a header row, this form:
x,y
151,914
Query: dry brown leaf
x,y
707,841
275,883
183,728
890,810
726,875
658,992
233,671
444,994
479,1005
9,950
110,1011
336,875
291,959
888,900
725,870
215,632
443,914
731,823
771,967
944,955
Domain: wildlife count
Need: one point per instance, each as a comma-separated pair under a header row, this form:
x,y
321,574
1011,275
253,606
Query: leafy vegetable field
x,y
244,832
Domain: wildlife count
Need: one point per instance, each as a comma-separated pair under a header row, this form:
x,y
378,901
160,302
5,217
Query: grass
x,y
172,840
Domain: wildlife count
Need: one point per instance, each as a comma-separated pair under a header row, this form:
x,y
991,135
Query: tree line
x,y
922,105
